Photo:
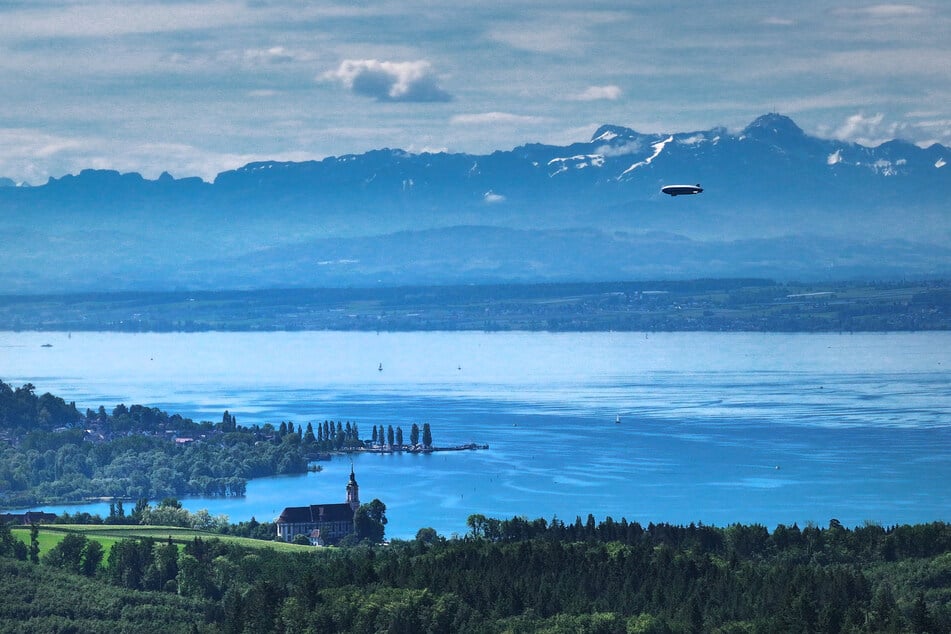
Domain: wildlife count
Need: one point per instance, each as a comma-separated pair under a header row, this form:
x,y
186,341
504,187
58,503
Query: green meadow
x,y
107,535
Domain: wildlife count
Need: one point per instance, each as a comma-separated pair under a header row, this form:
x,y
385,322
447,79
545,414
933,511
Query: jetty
x,y
417,448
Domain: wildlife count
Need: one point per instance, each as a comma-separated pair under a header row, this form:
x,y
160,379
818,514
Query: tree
x,y
141,505
309,437
369,521
399,436
920,621
34,543
427,436
390,439
92,558
68,553
427,535
414,435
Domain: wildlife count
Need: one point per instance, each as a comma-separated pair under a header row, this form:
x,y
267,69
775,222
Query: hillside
x,y
776,203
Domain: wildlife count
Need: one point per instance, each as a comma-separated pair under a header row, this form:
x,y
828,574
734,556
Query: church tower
x,y
353,491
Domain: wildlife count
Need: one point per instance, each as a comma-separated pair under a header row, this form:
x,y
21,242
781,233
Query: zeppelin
x,y
682,190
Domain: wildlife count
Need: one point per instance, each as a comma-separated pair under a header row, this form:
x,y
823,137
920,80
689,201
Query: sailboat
x,y
617,419
380,369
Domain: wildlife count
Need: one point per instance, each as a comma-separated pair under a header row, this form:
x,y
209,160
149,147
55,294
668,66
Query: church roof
x,y
316,513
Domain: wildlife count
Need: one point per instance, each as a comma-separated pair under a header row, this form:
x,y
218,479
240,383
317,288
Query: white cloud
x,y
869,131
33,156
491,197
111,19
389,81
493,117
776,21
885,11
626,149
596,93
552,38
276,55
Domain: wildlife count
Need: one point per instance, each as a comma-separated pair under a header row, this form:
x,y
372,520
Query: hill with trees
x,y
515,575
51,453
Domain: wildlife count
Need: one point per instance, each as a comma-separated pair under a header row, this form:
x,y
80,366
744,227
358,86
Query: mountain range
x,y
776,203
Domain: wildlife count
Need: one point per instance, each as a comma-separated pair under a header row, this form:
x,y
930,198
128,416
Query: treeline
x,y
22,411
55,454
534,575
137,467
707,304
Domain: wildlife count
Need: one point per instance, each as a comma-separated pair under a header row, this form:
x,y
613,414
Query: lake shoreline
x,y
711,305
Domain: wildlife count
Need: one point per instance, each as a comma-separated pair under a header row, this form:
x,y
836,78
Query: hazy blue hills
x,y
777,203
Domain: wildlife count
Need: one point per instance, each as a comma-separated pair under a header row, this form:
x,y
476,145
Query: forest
x,y
514,575
50,452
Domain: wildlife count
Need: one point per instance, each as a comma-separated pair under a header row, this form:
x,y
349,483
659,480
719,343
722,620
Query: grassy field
x,y
107,535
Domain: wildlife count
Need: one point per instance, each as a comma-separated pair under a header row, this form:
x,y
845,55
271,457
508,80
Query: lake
x,y
714,427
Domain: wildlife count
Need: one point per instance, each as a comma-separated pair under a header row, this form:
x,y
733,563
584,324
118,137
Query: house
x,y
321,523
25,519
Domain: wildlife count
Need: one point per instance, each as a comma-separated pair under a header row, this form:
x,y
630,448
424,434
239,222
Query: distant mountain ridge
x,y
777,202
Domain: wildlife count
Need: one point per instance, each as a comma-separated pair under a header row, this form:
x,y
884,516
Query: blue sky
x,y
198,87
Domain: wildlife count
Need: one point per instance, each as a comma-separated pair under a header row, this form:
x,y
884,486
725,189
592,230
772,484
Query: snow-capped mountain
x,y
776,202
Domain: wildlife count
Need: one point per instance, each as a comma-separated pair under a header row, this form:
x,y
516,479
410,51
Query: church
x,y
321,523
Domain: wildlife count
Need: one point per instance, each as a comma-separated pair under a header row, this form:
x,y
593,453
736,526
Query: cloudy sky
x,y
196,87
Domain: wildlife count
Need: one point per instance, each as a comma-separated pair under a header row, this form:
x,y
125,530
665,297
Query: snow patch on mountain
x,y
579,161
658,148
885,168
940,163
694,139
834,158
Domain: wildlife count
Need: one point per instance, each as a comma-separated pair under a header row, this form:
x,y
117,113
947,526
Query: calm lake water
x,y
715,428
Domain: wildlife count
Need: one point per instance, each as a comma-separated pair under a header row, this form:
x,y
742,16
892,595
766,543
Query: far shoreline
x,y
711,305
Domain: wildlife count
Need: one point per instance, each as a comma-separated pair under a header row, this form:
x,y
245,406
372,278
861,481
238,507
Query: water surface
x,y
715,427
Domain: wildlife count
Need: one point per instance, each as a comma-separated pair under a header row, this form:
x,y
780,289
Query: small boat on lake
x,y
617,419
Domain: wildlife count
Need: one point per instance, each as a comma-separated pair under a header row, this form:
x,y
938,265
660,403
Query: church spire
x,y
353,491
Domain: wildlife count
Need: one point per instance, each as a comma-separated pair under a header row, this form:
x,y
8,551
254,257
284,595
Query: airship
x,y
682,190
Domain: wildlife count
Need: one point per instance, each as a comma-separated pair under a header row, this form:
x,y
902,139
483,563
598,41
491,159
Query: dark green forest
x,y
513,575
50,452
